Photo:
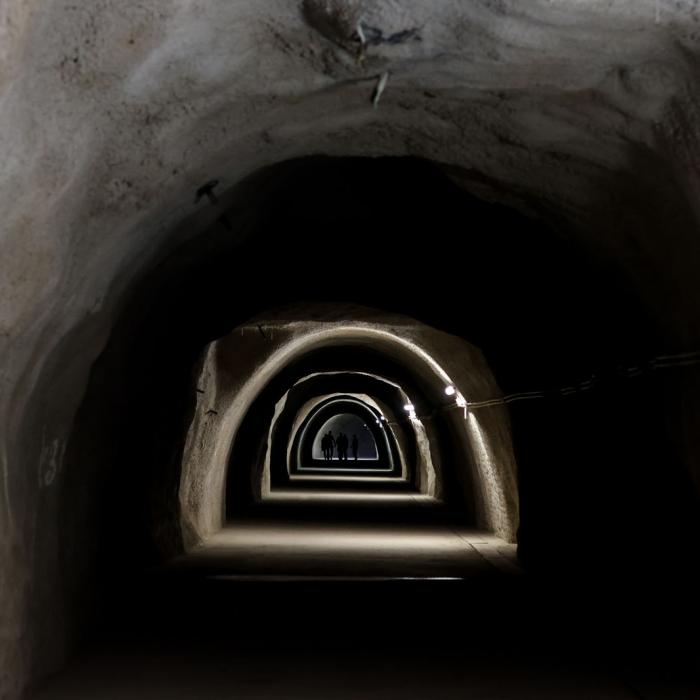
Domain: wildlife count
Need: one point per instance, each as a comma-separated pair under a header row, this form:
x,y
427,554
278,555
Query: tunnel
x,y
339,418
349,349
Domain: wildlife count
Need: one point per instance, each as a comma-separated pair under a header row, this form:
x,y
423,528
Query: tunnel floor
x,y
288,549
144,673
403,606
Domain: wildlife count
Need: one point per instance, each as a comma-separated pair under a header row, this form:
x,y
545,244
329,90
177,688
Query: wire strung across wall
x,y
661,362
685,359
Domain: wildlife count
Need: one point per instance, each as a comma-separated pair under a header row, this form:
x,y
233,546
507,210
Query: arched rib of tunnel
x,y
232,401
409,436
345,416
277,450
384,414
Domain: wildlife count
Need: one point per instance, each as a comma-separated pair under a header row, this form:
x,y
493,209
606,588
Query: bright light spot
x,y
409,408
462,403
450,390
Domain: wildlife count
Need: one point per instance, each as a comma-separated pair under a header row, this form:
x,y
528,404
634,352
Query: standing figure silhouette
x,y
331,445
342,445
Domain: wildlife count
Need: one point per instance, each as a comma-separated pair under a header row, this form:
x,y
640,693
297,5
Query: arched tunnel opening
x,y
543,313
318,445
355,354
271,323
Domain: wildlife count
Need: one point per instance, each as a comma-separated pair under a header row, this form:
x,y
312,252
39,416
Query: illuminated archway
x,y
343,415
417,456
238,367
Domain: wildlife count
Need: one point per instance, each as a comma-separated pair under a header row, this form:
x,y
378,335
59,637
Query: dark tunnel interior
x,y
601,487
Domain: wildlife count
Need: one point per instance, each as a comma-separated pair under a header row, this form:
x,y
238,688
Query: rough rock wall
x,y
114,112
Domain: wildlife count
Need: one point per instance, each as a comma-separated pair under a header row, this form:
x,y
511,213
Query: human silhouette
x,y
342,446
331,444
355,447
324,446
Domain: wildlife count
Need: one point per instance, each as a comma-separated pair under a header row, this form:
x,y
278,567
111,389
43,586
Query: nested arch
x,y
416,458
344,414
259,458
244,371
322,443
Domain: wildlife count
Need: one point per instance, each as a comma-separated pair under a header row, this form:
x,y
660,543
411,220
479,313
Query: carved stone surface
x,y
114,114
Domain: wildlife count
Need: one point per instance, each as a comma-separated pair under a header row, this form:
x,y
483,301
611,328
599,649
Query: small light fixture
x,y
409,408
462,403
450,390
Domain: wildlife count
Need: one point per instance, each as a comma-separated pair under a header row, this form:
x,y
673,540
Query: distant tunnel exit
x,y
345,437
345,434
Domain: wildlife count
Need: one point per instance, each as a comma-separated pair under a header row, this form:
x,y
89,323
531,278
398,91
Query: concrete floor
x,y
259,548
348,498
278,610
